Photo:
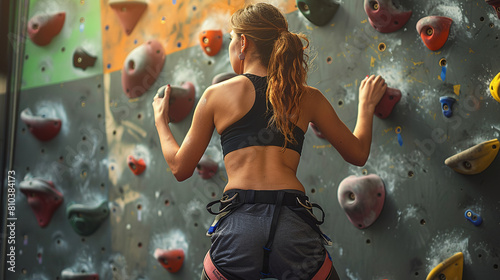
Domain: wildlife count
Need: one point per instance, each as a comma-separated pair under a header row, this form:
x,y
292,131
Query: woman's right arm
x,y
354,146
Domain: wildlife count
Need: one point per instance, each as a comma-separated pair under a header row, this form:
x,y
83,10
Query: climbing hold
x,y
434,31
386,104
137,166
42,128
446,105
207,167
495,87
400,138
128,12
318,12
85,219
43,197
222,77
384,17
68,274
473,217
43,28
496,5
82,60
141,68
171,260
474,160
362,199
211,41
450,269
181,101
316,131
443,72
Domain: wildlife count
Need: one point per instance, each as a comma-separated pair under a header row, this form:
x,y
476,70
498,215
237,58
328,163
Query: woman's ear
x,y
244,42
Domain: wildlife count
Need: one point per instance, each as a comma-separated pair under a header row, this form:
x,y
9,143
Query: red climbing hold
x,y
362,199
42,28
137,166
386,104
42,128
141,68
384,17
316,130
496,5
43,197
181,101
171,260
128,12
207,168
434,31
211,41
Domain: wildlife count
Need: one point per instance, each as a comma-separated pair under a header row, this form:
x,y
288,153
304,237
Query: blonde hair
x,y
282,52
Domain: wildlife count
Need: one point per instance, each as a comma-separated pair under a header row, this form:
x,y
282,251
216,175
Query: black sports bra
x,y
252,129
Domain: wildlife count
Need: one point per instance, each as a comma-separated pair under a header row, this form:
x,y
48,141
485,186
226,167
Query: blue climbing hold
x,y
473,217
446,105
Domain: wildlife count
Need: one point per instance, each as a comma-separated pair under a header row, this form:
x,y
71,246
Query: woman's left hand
x,y
161,106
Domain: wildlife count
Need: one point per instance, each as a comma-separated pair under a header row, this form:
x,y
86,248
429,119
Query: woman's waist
x,y
261,184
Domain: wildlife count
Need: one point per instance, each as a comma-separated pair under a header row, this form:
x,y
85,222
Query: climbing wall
x,y
96,200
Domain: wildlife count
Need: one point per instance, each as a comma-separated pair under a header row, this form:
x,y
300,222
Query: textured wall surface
x,y
422,222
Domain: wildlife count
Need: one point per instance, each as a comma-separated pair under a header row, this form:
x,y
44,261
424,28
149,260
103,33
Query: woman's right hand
x,y
371,91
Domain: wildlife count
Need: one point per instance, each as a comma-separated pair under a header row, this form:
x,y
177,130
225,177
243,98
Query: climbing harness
x,y
298,203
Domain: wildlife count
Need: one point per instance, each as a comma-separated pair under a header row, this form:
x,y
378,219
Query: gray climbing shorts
x,y
237,244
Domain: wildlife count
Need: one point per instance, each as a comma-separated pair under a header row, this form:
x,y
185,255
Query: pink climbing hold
x,y
44,129
362,199
207,168
316,130
384,16
128,12
43,28
43,197
142,67
385,106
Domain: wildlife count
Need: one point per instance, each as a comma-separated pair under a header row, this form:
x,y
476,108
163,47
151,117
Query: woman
x,y
264,227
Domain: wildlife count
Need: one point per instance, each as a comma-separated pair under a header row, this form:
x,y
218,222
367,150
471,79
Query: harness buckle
x,y
307,204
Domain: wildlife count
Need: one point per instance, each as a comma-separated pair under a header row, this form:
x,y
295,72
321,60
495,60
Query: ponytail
x,y
287,74
282,52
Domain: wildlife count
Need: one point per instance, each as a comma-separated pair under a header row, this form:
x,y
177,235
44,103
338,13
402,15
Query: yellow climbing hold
x,y
495,87
476,159
451,269
372,62
456,89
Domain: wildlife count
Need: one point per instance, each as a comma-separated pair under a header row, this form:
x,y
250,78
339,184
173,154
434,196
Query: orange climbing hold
x,y
128,12
434,31
43,28
136,165
211,41
142,67
44,129
43,197
171,260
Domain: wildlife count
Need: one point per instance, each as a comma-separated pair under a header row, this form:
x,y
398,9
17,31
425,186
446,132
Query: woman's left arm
x,y
183,159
